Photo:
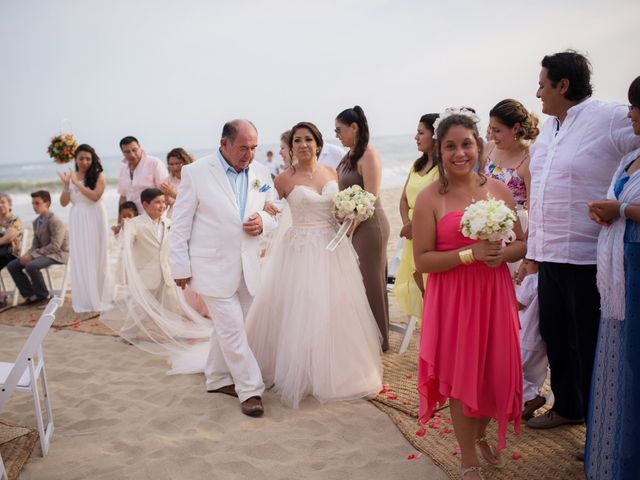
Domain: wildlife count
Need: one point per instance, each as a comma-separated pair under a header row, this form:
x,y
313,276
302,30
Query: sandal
x,y
473,469
499,459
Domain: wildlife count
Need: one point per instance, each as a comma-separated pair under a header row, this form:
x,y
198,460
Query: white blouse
x,y
571,165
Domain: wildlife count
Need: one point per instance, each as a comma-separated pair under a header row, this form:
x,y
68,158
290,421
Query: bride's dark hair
x,y
315,133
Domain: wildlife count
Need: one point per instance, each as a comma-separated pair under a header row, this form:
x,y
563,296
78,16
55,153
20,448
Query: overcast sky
x,y
171,72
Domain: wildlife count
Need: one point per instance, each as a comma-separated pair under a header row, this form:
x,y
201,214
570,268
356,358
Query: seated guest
x,y
50,246
10,236
126,211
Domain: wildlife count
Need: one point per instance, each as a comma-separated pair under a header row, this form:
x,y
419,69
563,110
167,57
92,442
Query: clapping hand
x,y
73,176
168,190
491,253
64,176
253,225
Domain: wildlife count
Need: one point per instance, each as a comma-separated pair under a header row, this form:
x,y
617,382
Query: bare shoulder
x,y
283,182
328,171
499,190
429,194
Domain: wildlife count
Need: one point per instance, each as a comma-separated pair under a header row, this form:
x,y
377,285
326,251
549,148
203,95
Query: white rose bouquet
x,y
489,219
353,204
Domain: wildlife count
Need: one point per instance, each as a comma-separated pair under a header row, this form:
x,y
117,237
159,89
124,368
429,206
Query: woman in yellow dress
x,y
408,288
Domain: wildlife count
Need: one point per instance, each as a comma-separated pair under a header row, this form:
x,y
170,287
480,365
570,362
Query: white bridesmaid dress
x,y
88,244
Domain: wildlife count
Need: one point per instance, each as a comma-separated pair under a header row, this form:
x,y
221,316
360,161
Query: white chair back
x,y
29,350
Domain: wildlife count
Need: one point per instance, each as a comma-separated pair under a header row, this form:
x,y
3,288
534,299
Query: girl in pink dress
x,y
469,349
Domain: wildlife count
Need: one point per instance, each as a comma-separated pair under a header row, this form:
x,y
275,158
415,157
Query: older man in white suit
x,y
214,247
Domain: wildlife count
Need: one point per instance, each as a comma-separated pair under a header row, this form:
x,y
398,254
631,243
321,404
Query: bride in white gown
x,y
310,327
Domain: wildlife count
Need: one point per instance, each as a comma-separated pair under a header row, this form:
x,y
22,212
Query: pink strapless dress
x,y
469,345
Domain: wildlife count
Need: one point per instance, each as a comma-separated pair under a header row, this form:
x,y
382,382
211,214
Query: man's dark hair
x,y
43,194
148,194
128,140
573,66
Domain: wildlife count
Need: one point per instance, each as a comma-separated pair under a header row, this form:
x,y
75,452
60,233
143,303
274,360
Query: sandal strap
x,y
475,468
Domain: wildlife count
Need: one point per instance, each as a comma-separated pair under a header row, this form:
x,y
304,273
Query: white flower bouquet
x,y
353,204
489,219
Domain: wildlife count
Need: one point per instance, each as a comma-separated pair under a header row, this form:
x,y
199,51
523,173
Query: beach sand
x,y
117,415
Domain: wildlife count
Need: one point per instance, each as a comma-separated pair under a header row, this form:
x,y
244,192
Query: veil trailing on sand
x,y
159,321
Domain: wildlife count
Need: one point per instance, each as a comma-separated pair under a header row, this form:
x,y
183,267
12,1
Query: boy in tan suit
x,y
50,246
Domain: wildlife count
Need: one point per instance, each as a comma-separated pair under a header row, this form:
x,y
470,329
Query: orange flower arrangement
x,y
62,148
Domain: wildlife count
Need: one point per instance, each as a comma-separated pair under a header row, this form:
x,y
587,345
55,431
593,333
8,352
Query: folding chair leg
x,y
44,441
3,472
65,282
47,405
408,333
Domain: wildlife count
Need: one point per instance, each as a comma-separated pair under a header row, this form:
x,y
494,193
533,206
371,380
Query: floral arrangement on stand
x,y
62,148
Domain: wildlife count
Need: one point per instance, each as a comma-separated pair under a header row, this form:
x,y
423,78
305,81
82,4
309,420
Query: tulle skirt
x,y
311,328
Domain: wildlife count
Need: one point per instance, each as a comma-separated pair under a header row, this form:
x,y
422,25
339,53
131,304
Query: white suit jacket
x,y
150,254
207,243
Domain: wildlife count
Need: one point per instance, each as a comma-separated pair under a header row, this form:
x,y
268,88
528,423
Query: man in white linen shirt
x,y
331,155
572,163
139,171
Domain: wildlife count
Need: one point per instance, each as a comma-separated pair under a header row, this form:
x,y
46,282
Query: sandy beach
x,y
117,415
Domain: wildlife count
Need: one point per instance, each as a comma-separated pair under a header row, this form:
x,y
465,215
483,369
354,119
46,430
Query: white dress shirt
x,y
571,165
331,155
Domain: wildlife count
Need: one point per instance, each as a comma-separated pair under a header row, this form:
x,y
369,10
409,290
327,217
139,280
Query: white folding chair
x,y
24,373
62,292
14,293
406,330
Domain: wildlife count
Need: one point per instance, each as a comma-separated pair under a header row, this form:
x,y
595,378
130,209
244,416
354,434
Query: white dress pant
x,y
230,358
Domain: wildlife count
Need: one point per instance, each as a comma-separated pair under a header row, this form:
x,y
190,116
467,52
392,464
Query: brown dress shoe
x,y
552,419
227,390
252,407
531,406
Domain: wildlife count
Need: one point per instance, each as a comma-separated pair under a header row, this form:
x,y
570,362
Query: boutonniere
x,y
261,187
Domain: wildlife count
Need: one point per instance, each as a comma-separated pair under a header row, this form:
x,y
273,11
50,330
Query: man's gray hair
x,y
230,129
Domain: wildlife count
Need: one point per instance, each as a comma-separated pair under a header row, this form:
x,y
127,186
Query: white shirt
x,y
571,165
331,155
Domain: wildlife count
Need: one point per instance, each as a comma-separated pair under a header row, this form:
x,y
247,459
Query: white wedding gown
x,y
310,327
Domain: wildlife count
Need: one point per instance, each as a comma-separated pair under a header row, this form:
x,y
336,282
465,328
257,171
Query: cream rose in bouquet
x,y
488,219
353,204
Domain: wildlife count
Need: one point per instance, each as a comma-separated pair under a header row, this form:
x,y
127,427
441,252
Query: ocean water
x,y
20,179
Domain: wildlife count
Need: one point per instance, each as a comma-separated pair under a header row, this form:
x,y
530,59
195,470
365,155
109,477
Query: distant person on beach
x,y
362,166
274,166
10,237
138,171
218,218
83,187
126,211
331,155
408,287
574,159
176,159
50,246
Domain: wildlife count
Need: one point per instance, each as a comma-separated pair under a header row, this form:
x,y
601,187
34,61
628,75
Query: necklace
x,y
308,174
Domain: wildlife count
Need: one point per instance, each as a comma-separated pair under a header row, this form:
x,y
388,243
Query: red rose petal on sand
x,y
446,420
516,456
421,432
392,396
447,430
411,456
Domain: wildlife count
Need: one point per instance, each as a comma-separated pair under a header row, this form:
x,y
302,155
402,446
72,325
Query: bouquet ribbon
x,y
342,232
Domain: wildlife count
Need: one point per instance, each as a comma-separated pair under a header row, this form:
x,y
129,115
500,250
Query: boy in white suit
x,y
214,247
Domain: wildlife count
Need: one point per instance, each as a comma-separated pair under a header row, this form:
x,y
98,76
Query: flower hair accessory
x,y
466,111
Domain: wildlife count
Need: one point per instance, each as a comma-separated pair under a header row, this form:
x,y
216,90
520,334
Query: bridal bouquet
x,y
62,148
488,219
353,204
